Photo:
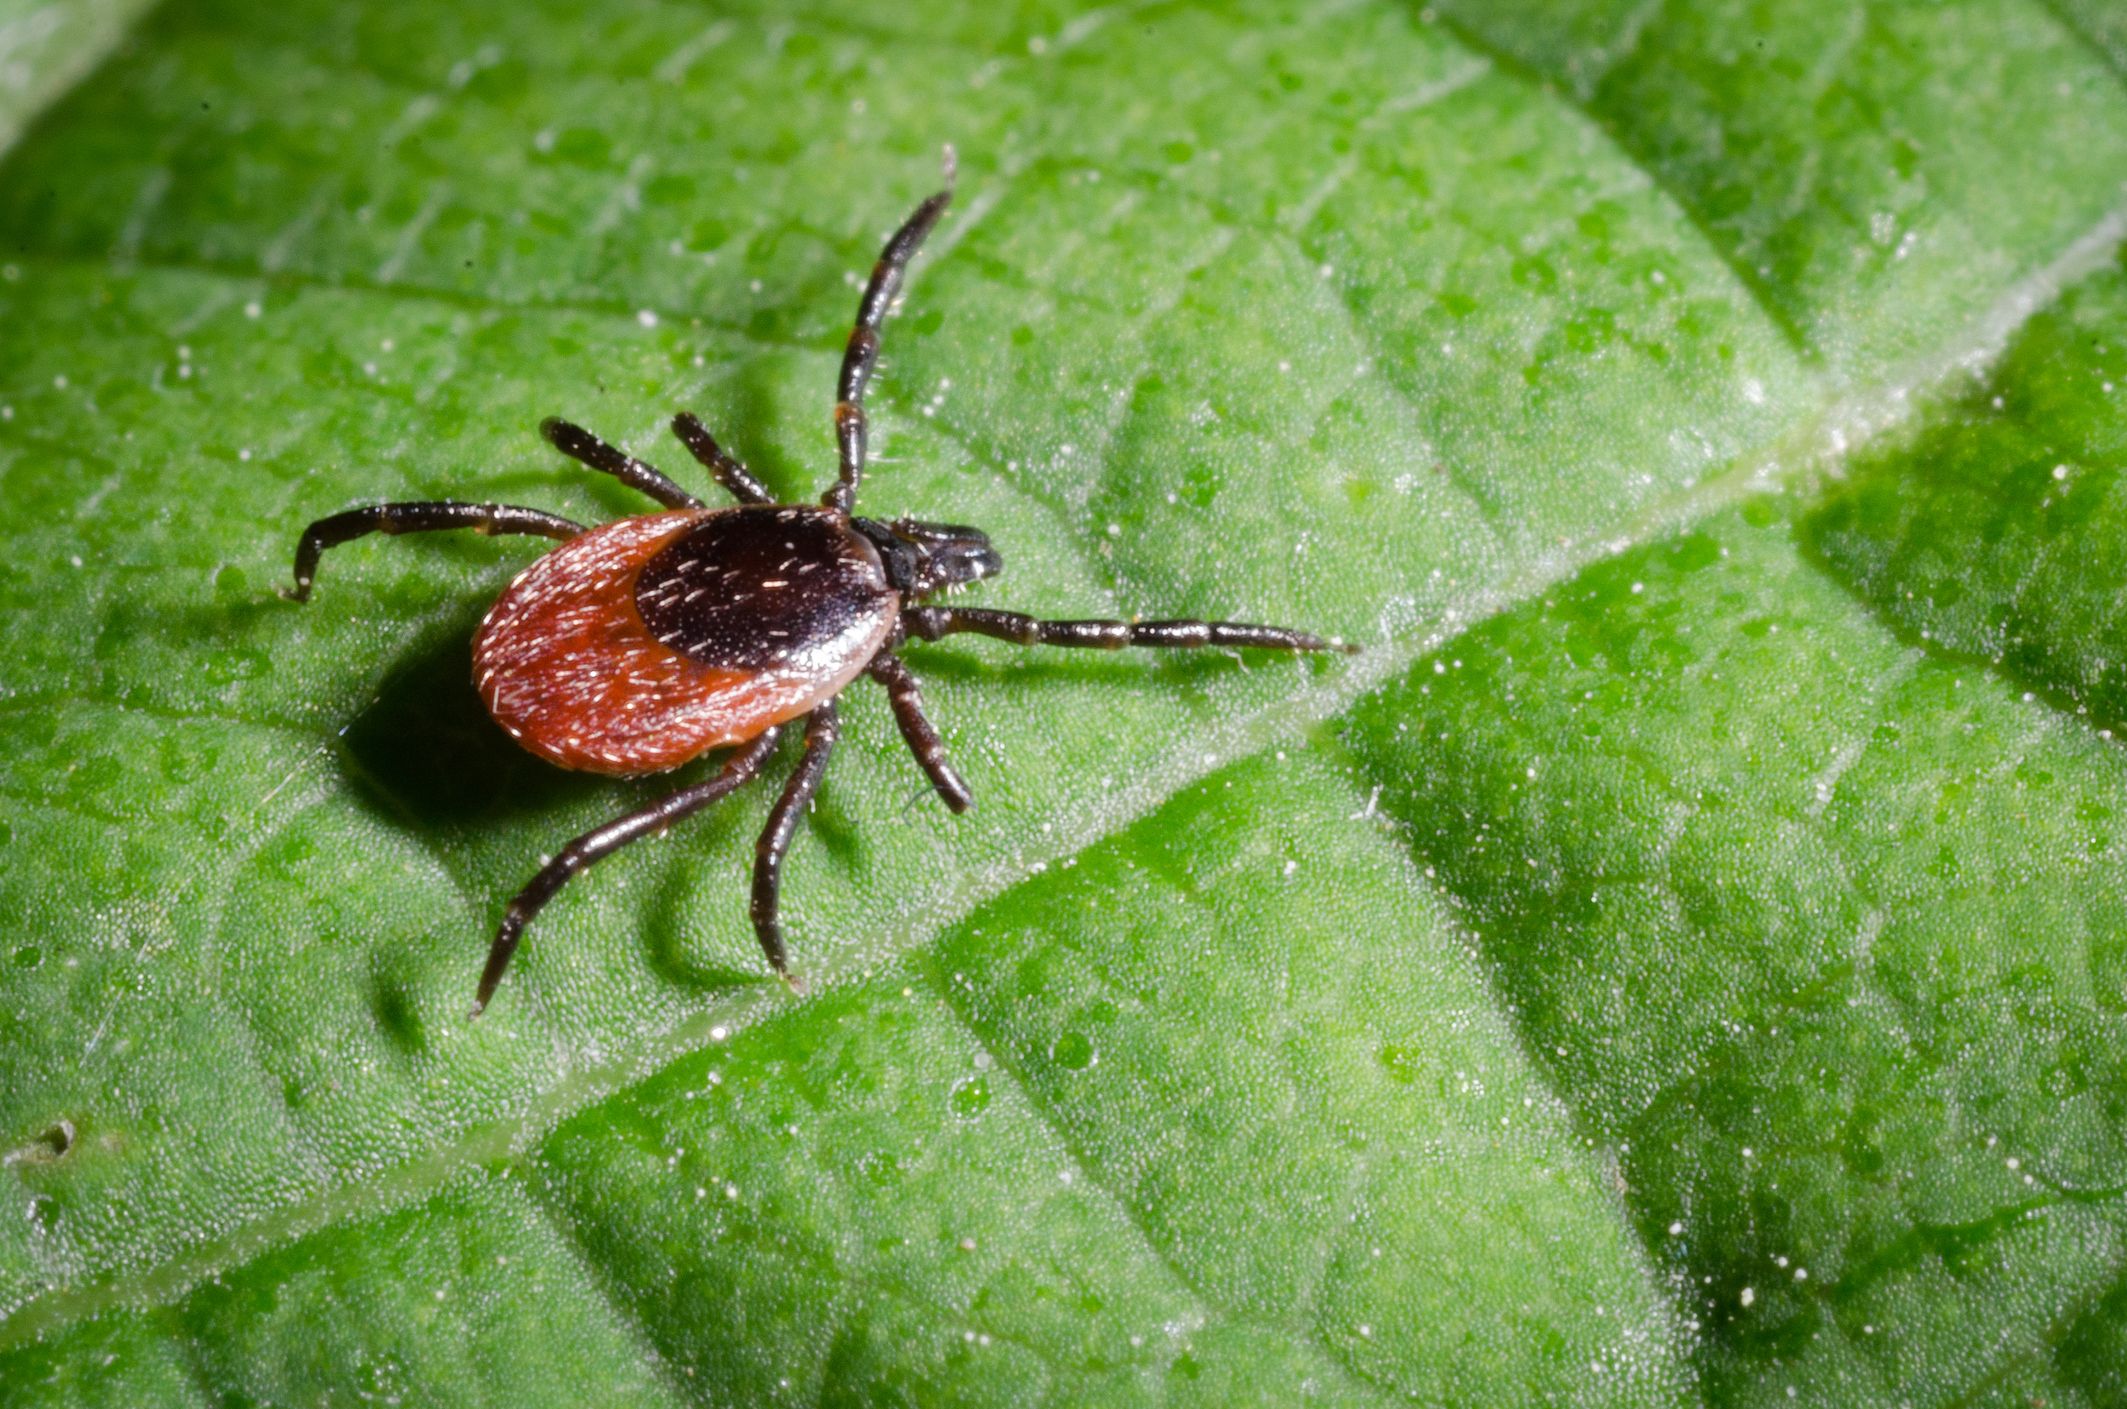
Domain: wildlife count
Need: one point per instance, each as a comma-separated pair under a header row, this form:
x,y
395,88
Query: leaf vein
x,y
1154,1246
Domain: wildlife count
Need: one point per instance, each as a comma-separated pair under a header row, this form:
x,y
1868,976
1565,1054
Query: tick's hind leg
x,y
601,842
580,445
417,518
822,728
906,696
931,623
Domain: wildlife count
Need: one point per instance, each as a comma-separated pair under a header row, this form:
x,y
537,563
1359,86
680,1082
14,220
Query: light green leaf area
x,y
1679,960
45,45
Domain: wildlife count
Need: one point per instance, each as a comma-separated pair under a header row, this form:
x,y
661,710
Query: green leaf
x,y
1679,960
45,47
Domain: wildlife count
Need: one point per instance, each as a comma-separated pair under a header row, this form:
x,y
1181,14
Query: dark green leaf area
x,y
1997,529
1215,1113
1822,932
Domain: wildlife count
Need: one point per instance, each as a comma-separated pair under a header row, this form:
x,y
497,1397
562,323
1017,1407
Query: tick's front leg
x,y
933,623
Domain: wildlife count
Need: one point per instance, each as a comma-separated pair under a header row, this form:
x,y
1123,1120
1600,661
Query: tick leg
x,y
862,354
906,696
931,623
822,728
577,443
601,842
735,477
417,518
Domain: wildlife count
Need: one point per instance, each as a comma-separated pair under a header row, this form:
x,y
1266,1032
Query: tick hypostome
x,y
638,645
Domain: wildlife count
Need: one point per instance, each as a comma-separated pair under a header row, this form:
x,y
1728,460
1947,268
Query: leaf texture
x,y
1679,960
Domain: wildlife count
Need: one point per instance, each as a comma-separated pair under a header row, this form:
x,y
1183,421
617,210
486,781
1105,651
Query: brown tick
x,y
639,645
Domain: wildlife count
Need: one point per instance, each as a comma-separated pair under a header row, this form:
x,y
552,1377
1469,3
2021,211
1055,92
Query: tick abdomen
x,y
638,645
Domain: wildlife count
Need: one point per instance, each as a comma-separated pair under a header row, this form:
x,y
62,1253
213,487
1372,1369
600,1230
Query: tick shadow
x,y
427,755
427,751
684,921
702,901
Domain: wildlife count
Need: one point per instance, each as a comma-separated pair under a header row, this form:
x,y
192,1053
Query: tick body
x,y
640,645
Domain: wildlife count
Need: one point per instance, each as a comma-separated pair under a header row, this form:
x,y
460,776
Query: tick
x,y
641,644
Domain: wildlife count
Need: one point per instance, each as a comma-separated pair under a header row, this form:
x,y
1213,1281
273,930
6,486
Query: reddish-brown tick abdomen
x,y
638,645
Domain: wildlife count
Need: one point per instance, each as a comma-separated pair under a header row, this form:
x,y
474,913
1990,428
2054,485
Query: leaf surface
x,y
1679,960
